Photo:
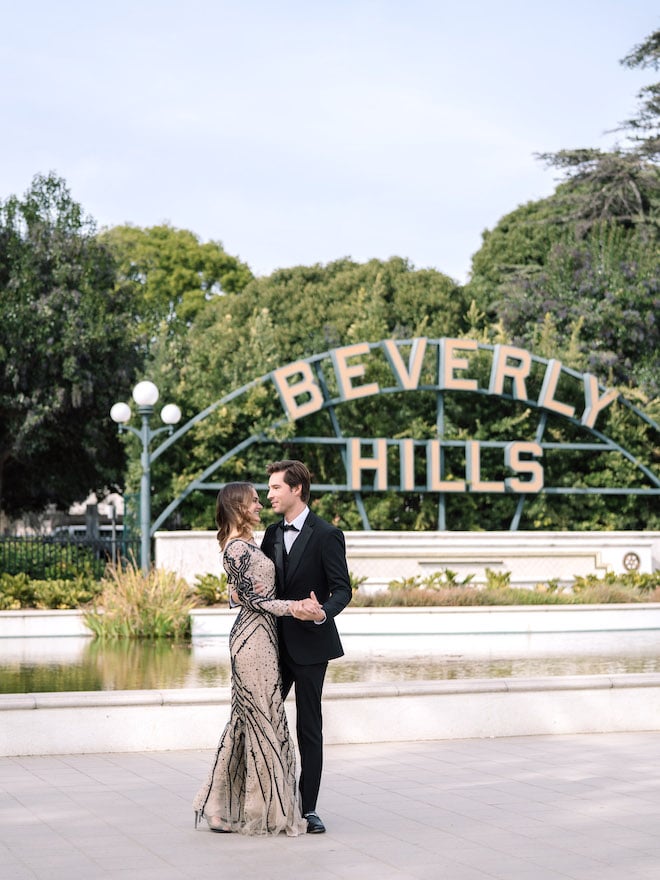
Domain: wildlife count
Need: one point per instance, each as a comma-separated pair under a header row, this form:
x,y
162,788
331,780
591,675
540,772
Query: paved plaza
x,y
584,807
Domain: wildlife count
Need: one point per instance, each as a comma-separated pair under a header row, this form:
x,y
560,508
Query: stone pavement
x,y
583,807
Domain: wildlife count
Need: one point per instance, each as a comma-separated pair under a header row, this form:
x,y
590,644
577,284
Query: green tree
x,y
643,127
67,345
604,294
517,247
621,185
588,257
171,275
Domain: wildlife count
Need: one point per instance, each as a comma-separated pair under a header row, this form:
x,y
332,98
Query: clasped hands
x,y
308,609
302,609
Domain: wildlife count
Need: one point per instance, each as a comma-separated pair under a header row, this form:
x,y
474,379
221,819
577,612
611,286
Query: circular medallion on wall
x,y
631,562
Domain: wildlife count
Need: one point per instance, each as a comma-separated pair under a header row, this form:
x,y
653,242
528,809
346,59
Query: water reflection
x,y
496,655
82,664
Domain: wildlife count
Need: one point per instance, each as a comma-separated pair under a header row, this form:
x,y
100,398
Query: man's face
x,y
283,499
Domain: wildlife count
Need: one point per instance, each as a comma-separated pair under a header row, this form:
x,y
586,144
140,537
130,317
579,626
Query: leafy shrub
x,y
356,582
642,581
19,591
441,589
497,579
405,584
437,580
630,580
15,592
135,604
211,589
440,580
65,593
550,586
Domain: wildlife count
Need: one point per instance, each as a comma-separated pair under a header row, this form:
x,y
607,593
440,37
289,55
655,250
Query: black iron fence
x,y
49,557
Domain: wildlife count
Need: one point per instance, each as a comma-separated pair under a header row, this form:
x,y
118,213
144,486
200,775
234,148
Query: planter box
x,y
36,624
206,622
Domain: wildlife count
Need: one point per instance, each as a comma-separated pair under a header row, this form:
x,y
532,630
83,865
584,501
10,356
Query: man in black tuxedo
x,y
310,564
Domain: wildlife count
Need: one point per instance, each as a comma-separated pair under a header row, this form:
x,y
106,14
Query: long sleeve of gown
x,y
240,561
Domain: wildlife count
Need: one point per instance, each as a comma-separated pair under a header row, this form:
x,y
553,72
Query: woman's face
x,y
255,507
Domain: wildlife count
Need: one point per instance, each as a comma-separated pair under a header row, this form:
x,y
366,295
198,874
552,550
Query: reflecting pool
x,y
58,664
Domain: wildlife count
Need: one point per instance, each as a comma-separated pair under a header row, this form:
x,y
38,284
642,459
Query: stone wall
x,y
380,557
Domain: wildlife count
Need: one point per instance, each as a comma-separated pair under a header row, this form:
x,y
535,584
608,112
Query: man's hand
x,y
259,589
308,609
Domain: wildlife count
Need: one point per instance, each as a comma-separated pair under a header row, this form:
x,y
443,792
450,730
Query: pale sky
x,y
303,132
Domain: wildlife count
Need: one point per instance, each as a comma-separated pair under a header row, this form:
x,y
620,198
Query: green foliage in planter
x,y
15,592
356,582
211,589
65,593
631,580
446,579
19,591
437,580
135,604
497,579
128,604
443,589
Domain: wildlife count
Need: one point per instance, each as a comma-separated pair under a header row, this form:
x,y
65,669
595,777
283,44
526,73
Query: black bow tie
x,y
289,528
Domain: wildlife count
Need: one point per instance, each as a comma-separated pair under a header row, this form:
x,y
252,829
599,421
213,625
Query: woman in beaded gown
x,y
251,788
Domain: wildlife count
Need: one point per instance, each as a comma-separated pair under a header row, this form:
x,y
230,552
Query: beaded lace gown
x,y
252,782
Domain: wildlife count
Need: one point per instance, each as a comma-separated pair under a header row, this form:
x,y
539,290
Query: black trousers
x,y
308,682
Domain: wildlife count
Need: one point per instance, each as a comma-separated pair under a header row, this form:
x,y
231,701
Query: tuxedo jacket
x,y
317,562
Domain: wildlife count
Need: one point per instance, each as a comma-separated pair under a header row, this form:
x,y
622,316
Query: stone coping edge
x,y
210,696
213,610
374,609
450,619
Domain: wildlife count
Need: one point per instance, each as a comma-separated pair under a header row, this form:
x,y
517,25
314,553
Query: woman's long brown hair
x,y
232,511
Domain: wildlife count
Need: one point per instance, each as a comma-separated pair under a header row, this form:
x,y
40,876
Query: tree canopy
x,y
171,274
67,344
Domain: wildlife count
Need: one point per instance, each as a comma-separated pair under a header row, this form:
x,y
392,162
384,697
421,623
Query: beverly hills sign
x,y
442,368
302,393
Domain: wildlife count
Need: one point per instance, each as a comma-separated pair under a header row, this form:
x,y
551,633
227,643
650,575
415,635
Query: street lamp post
x,y
145,394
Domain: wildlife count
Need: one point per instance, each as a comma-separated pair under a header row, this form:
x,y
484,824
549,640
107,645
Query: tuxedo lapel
x,y
278,552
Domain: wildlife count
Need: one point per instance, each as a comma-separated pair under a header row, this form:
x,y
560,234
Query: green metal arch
x,y
604,444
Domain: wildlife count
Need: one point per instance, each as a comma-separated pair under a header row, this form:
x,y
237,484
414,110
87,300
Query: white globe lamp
x,y
145,393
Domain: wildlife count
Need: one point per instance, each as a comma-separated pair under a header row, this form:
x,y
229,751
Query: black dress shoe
x,y
314,824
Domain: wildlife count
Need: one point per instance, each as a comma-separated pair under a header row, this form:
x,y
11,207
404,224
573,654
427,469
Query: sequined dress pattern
x,y
252,782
